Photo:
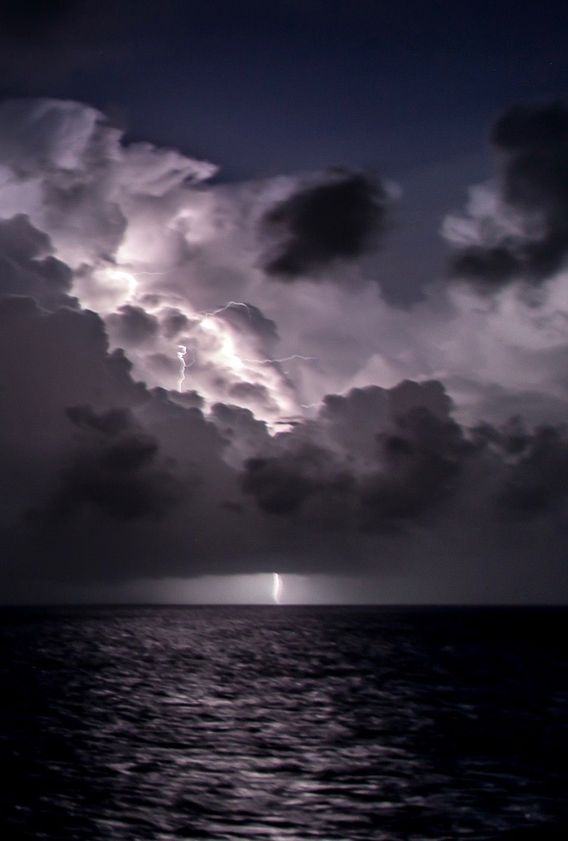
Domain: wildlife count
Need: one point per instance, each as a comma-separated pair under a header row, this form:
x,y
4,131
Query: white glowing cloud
x,y
141,227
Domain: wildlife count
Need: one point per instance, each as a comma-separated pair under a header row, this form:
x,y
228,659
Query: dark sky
x,y
341,355
291,85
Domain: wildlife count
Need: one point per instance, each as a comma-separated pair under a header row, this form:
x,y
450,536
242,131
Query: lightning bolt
x,y
229,305
225,349
207,321
276,587
181,352
204,317
281,359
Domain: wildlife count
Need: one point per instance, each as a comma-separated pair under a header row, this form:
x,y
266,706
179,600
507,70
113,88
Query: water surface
x,y
283,723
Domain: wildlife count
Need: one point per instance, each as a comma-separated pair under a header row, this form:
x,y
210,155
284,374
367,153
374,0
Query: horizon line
x,y
273,606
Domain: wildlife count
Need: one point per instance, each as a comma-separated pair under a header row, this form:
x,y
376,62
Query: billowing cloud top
x,y
173,405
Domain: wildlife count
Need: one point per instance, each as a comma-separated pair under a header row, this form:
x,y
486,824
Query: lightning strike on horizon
x,y
276,587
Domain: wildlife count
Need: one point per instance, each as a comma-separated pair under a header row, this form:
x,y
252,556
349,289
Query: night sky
x,y
284,288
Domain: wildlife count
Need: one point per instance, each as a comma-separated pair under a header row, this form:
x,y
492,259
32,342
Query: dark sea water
x,y
283,724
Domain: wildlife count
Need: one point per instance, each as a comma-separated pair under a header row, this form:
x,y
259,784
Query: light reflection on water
x,y
282,723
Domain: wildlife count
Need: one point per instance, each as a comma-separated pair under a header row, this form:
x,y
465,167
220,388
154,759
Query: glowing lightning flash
x,y
205,321
181,352
227,351
276,587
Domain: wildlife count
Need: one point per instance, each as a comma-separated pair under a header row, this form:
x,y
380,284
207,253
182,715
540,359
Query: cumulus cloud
x,y
406,465
170,409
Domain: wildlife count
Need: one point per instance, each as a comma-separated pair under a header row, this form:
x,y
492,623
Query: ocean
x,y
283,723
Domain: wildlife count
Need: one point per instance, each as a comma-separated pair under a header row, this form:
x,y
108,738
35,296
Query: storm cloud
x,y
169,409
408,463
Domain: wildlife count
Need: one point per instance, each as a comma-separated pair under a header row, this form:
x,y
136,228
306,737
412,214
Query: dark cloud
x,y
189,399
425,475
535,480
532,143
336,219
305,473
243,434
251,394
352,421
422,463
27,266
132,325
174,322
116,469
412,461
107,480
109,424
280,486
487,267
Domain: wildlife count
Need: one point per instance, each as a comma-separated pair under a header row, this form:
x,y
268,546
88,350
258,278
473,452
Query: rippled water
x,y
283,723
